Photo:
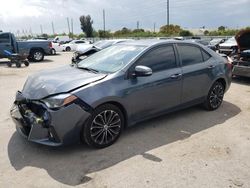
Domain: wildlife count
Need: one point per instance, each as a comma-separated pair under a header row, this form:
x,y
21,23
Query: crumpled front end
x,y
36,122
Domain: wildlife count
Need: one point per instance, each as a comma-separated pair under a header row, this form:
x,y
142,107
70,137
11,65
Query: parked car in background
x,y
82,51
56,47
61,39
229,47
214,43
204,42
71,46
34,49
241,61
117,87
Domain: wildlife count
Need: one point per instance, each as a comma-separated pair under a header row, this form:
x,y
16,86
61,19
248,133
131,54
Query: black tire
x,y
9,64
18,64
67,49
37,55
101,132
215,96
53,51
26,63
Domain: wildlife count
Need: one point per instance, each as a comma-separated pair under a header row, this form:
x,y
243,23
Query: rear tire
x,y
68,49
215,96
37,55
9,64
53,51
104,126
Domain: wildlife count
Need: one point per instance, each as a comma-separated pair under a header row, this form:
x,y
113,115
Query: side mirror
x,y
142,71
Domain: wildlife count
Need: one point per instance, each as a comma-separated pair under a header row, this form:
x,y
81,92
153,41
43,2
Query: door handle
x,y
175,76
211,66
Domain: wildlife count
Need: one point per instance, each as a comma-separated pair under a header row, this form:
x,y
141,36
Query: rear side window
x,y
78,42
190,54
159,59
4,38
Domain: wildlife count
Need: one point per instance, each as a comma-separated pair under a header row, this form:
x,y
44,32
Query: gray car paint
x,y
139,97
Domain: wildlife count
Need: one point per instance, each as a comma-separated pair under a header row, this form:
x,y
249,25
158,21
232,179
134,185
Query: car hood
x,y
228,44
82,48
243,39
60,80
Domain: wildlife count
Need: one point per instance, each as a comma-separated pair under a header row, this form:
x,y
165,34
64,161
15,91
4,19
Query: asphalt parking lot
x,y
189,148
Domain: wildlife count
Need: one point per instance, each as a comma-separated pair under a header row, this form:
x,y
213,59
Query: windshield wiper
x,y
88,69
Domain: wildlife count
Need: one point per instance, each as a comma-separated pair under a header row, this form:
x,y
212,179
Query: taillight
x,y
50,44
229,63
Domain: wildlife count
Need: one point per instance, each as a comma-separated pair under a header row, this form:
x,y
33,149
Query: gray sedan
x,y
116,88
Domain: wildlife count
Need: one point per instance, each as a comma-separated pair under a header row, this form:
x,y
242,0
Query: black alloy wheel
x,y
215,96
104,126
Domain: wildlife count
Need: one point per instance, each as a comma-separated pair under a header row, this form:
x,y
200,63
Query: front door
x,y
160,91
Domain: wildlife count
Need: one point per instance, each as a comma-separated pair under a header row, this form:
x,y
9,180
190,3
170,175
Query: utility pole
x,y
72,31
103,14
68,24
137,24
41,28
168,12
53,29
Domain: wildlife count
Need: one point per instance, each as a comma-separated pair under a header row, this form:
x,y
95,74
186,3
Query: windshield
x,y
231,40
103,44
215,41
111,59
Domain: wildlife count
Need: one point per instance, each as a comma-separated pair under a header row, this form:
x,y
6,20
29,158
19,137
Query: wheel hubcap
x,y
38,55
216,96
105,127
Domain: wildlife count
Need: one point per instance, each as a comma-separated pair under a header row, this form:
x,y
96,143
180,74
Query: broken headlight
x,y
58,101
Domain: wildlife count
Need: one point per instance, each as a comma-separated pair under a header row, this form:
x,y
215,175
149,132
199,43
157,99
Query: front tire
x,y
104,126
215,96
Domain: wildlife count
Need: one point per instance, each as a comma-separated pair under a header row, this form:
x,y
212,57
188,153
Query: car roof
x,y
152,42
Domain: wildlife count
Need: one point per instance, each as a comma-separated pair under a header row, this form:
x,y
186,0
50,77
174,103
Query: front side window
x,y
190,54
4,38
159,59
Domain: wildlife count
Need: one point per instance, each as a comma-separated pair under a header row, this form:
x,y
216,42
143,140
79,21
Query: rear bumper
x,y
60,127
225,51
239,70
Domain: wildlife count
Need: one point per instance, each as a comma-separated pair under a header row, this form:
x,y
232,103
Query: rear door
x,y
5,43
197,71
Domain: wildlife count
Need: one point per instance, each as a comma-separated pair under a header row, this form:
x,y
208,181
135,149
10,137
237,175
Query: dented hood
x,y
60,80
243,39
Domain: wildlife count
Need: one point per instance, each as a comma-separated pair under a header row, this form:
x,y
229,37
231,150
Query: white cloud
x,y
25,14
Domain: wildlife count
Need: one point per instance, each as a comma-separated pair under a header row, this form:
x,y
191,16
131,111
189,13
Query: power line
x,y
53,29
68,24
41,28
72,31
103,14
137,24
168,12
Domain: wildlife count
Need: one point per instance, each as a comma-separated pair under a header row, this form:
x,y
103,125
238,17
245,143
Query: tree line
x,y
171,30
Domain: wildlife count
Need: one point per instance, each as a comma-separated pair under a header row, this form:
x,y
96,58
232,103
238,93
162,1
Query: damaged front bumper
x,y
36,122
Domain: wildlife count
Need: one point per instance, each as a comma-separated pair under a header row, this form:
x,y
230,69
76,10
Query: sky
x,y
30,15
